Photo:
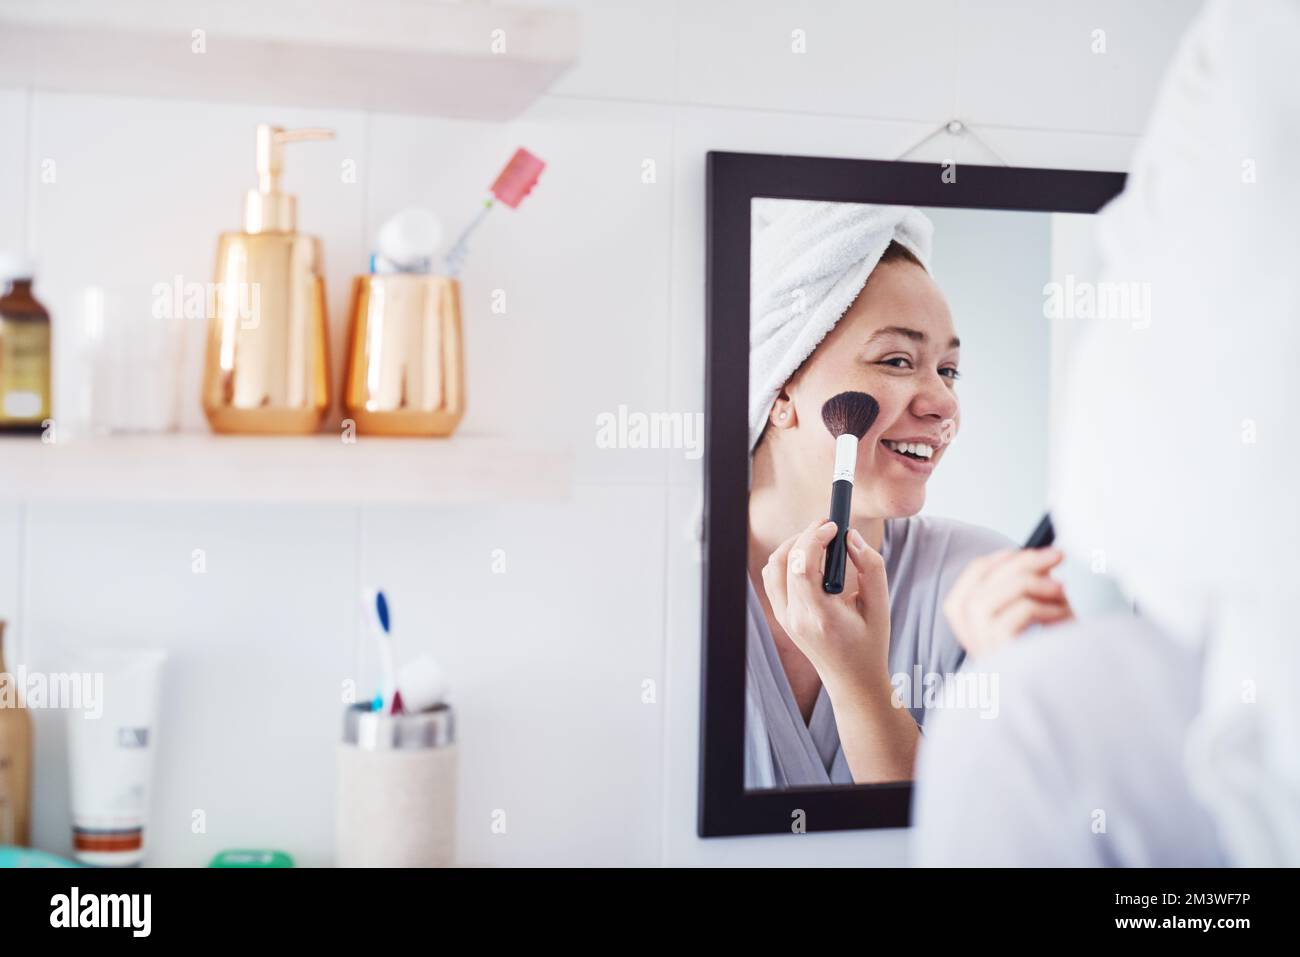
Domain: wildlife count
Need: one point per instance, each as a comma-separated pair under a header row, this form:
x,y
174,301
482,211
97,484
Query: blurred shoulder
x,y
1075,677
1082,710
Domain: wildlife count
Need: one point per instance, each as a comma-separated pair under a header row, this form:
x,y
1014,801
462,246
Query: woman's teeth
x,y
916,450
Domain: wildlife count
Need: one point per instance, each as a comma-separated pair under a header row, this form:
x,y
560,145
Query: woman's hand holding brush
x,y
845,636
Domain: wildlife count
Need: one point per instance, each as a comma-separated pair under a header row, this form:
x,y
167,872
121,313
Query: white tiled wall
x,y
259,645
603,275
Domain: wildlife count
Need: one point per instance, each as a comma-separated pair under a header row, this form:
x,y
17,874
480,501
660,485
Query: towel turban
x,y
808,262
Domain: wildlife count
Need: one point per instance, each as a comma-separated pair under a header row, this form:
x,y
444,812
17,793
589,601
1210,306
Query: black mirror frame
x,y
732,181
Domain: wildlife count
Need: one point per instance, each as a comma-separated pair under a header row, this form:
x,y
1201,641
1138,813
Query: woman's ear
x,y
783,414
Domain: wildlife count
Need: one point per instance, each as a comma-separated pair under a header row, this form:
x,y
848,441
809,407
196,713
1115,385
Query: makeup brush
x,y
1043,535
848,417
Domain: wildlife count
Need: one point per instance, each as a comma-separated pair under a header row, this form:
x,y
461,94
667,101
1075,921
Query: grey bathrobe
x,y
923,557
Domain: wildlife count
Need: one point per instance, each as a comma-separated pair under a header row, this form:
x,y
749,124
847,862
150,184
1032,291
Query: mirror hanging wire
x,y
958,128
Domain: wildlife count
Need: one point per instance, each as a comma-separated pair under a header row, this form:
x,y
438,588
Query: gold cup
x,y
405,365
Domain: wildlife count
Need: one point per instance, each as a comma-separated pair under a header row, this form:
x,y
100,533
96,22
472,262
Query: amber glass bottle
x,y
24,352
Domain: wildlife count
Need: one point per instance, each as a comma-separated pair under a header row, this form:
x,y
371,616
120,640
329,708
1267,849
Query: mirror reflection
x,y
900,379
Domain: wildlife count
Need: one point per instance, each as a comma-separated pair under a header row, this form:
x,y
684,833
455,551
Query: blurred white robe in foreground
x,y
1173,738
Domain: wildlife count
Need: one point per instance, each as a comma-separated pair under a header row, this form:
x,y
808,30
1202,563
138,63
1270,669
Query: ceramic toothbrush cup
x,y
396,789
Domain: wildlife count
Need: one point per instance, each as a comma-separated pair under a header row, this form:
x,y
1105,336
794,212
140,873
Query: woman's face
x,y
896,343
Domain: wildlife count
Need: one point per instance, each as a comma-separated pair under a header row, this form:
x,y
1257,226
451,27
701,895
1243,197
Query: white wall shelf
x,y
473,60
320,469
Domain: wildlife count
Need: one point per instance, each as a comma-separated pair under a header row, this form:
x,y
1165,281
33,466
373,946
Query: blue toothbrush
x,y
381,624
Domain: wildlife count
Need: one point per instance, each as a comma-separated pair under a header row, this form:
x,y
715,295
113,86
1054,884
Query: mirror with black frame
x,y
908,333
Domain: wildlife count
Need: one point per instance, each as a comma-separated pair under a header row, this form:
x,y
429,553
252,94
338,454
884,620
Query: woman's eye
x,y
903,362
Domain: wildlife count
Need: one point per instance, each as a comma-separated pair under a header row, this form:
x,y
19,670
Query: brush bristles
x,y
850,413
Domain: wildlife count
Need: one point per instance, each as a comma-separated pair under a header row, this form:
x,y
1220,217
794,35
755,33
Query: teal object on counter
x,y
11,856
252,859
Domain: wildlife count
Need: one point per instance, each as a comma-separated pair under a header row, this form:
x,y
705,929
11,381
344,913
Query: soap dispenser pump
x,y
267,363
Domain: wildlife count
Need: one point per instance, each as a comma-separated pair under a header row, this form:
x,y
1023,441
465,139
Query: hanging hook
x,y
953,127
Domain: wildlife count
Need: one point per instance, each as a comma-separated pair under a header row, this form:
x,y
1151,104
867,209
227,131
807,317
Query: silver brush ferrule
x,y
846,457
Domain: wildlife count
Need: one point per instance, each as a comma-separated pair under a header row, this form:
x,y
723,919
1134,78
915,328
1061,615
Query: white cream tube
x,y
111,758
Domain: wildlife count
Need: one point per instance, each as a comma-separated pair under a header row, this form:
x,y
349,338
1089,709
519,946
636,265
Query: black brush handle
x,y
1043,535
837,552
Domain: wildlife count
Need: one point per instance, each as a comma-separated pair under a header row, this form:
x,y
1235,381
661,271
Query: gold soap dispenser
x,y
267,363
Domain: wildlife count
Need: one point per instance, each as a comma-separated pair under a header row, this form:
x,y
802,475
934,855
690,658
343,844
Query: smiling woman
x,y
821,705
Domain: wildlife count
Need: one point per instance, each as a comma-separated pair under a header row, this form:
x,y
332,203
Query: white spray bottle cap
x,y
15,267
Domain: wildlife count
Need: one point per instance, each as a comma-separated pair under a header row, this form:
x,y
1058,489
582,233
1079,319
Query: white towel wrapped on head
x,y
808,262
